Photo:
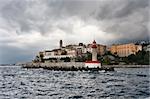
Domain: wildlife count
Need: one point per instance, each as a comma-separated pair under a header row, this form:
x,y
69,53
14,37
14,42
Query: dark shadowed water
x,y
124,83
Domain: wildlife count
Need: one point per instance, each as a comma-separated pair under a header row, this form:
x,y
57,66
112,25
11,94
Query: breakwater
x,y
64,66
52,65
77,66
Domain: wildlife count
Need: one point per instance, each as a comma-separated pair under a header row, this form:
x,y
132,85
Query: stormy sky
x,y
29,26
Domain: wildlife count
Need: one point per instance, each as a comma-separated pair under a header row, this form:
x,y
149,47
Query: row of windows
x,y
124,46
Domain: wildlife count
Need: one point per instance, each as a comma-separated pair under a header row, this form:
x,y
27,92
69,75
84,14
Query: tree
x,y
67,59
106,60
141,58
88,56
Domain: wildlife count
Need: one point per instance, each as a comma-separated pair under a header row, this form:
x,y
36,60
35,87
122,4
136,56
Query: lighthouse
x,y
94,51
93,63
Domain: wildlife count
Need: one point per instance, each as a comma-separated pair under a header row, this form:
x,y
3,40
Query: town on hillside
x,y
116,54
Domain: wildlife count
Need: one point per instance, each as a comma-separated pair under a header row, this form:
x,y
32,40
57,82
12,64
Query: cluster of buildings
x,y
73,51
69,51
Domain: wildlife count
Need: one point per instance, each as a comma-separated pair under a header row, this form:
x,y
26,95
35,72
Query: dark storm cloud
x,y
126,17
49,20
13,12
16,11
120,8
41,15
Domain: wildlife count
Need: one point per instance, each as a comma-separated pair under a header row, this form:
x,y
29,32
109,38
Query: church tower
x,y
60,44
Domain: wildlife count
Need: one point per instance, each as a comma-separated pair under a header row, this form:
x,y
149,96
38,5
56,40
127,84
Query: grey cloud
x,y
73,7
15,12
119,8
41,15
127,18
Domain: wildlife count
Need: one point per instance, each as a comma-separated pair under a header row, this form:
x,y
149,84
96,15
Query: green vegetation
x,y
84,57
141,58
67,59
109,59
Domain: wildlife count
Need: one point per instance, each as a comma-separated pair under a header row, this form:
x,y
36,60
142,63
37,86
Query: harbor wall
x,y
58,65
77,65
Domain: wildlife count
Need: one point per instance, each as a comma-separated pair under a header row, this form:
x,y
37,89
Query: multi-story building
x,y
80,49
101,49
48,52
71,52
123,50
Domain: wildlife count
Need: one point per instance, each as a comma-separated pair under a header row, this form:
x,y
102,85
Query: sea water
x,y
123,83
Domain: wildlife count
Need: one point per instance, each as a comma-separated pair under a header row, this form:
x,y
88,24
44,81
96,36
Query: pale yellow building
x,y
123,50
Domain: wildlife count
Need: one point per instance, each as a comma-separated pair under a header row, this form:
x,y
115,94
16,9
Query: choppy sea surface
x,y
123,83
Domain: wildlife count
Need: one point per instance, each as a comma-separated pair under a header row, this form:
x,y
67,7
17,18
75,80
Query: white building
x,y
71,52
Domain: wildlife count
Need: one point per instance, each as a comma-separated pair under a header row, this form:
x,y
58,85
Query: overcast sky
x,y
29,26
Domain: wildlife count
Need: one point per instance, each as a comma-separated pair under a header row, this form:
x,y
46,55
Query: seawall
x,y
65,66
58,65
76,66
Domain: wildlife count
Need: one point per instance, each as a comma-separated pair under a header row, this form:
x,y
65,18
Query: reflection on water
x,y
129,83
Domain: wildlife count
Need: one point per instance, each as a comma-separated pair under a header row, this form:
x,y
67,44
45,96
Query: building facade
x,y
101,49
123,50
71,52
